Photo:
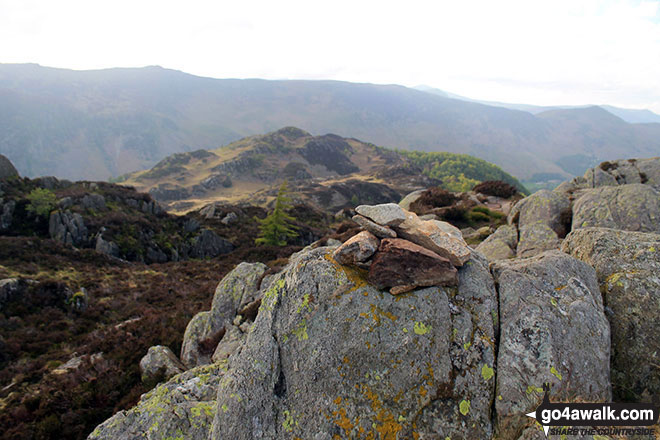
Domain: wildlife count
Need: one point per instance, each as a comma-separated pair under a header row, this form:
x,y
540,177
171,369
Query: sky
x,y
558,52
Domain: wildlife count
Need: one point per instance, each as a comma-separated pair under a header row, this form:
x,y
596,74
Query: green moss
x,y
301,331
272,294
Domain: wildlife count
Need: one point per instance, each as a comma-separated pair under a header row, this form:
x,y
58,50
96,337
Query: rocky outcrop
x,y
209,245
6,214
552,329
95,202
7,168
501,244
625,171
632,207
67,228
236,290
627,265
106,247
330,355
159,364
182,408
10,288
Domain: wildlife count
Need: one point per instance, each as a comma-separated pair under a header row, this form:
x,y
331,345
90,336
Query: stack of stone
x,y
402,251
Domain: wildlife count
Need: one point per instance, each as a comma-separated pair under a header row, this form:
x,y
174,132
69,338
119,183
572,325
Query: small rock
x,y
484,231
106,247
357,249
403,263
95,202
160,364
209,244
428,217
386,214
536,238
7,214
376,229
439,237
229,219
331,242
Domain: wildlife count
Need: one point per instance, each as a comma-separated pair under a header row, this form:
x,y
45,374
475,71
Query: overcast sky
x,y
529,51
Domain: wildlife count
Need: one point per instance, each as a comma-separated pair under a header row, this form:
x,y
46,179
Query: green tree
x,y
276,228
42,201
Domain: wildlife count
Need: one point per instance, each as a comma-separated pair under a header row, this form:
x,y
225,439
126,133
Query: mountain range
x,y
104,123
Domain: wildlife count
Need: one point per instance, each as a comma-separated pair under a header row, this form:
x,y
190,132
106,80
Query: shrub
x,y
496,188
42,202
433,198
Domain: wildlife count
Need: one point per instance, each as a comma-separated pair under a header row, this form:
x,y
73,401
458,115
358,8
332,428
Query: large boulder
x,y
182,408
628,269
501,244
236,290
209,245
7,169
552,329
632,207
551,208
331,356
159,364
536,238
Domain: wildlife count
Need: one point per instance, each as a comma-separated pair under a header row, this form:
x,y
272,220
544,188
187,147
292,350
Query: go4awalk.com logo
x,y
595,418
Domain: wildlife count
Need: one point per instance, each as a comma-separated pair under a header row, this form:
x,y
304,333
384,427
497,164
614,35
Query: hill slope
x,y
326,171
97,124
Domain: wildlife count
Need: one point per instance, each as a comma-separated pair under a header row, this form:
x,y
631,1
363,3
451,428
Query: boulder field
x,y
405,332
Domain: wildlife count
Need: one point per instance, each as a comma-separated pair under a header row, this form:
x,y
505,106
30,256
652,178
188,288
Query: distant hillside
x,y
632,116
98,124
329,172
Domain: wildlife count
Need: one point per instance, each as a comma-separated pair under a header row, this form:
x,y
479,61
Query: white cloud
x,y
551,52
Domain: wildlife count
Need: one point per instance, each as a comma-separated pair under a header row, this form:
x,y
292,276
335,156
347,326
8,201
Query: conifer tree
x,y
276,228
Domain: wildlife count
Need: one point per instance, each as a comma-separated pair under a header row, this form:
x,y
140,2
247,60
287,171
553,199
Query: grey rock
x,y
155,255
386,214
374,228
67,228
553,329
50,182
10,288
106,247
331,242
428,217
7,168
78,300
410,198
159,364
439,237
632,207
329,355
237,289
209,245
536,238
180,408
197,330
65,203
551,208
501,244
357,249
625,171
229,219
628,267
191,225
94,202
7,215
229,344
